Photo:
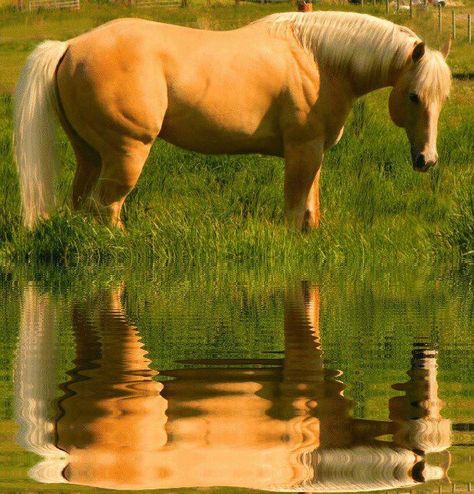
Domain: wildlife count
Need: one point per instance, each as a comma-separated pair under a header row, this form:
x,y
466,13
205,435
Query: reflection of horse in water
x,y
278,425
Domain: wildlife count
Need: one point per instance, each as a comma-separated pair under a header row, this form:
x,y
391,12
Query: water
x,y
328,382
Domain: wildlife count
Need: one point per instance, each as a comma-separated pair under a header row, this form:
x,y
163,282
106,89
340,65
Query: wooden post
x,y
440,19
469,28
453,23
411,8
386,6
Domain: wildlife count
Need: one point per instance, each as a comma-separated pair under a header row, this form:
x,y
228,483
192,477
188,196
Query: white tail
x,y
35,373
36,385
35,125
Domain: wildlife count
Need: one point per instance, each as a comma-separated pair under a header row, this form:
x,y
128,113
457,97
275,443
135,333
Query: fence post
x,y
386,6
411,8
440,19
469,28
453,23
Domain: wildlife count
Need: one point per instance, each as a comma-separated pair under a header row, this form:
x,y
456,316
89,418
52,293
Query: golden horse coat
x,y
282,86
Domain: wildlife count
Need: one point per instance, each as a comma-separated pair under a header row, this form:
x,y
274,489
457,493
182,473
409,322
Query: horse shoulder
x,y
334,105
302,93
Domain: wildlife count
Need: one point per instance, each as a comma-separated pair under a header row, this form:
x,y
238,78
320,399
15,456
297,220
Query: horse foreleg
x,y
302,171
119,175
312,210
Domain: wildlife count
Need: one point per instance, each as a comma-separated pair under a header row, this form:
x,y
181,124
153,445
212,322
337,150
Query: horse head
x,y
416,101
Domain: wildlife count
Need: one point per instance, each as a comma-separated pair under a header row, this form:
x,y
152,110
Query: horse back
x,y
141,79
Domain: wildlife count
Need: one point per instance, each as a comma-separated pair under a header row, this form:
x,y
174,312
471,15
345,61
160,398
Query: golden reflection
x,y
279,424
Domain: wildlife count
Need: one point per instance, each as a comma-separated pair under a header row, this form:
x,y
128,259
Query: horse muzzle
x,y
421,163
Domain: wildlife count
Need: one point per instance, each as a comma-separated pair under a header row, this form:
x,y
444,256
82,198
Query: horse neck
x,y
364,71
362,86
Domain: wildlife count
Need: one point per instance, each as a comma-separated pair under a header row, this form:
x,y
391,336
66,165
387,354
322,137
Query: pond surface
x,y
334,382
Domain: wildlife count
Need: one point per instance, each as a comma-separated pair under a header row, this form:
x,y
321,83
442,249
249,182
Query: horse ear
x,y
418,52
447,47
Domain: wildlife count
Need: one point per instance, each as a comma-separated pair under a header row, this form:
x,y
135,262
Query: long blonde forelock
x,y
431,77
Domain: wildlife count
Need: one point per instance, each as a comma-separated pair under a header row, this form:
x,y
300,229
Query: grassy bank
x,y
189,207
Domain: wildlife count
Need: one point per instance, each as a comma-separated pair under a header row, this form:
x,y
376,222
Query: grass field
x,y
189,207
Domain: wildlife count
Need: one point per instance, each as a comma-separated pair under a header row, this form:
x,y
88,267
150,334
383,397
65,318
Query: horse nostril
x,y
420,161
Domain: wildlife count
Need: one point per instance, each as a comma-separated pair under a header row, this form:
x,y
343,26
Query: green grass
x,y
192,208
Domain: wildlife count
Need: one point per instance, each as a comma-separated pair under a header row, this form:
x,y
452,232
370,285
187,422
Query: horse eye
x,y
414,98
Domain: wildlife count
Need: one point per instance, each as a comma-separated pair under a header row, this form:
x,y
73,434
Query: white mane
x,y
367,46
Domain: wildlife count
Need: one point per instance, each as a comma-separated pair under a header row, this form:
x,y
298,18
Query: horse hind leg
x,y
89,165
119,174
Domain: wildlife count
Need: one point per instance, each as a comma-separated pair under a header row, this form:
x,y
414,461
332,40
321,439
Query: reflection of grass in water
x,y
193,207
239,313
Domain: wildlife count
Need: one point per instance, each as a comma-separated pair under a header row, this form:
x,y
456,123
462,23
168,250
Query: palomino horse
x,y
280,424
281,86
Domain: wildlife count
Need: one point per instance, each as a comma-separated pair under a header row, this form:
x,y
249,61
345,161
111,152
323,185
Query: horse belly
x,y
205,133
209,117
